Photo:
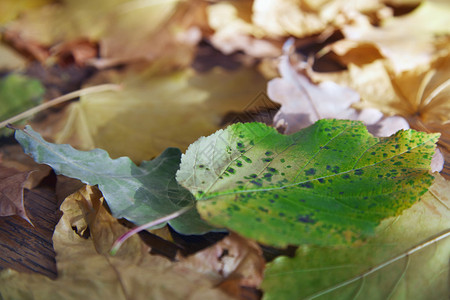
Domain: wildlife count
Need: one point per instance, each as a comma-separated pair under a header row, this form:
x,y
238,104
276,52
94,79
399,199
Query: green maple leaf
x,y
139,194
331,183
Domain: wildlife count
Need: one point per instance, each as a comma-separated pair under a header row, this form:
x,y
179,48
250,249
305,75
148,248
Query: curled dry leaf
x,y
304,102
234,31
302,18
407,41
257,27
87,271
235,260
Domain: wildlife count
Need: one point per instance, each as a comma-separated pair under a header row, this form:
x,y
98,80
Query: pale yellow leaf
x,y
154,111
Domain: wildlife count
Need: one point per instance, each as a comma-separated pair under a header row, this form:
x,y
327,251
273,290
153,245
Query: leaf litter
x,y
149,46
86,268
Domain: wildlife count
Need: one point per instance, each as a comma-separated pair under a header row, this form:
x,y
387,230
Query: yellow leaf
x,y
154,112
126,30
10,9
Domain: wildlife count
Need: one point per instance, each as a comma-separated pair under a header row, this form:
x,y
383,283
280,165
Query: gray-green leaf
x,y
139,194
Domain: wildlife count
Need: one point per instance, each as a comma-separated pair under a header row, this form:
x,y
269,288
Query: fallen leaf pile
x,y
86,268
263,149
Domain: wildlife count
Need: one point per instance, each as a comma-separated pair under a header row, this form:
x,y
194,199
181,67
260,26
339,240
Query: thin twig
x,y
61,99
115,247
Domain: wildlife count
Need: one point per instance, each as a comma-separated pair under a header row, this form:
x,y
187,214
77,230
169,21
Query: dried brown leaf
x,y
87,271
236,261
12,183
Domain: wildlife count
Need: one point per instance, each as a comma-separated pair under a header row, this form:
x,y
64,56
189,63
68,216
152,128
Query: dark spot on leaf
x,y
239,163
246,159
267,159
335,169
321,180
256,183
345,176
306,219
268,153
311,171
281,214
253,175
282,160
231,170
273,170
201,166
263,209
359,172
308,185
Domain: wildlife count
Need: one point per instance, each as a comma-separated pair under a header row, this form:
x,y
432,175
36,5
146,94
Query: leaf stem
x,y
61,99
435,239
115,247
